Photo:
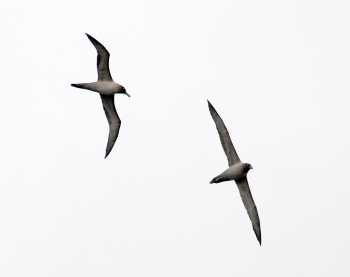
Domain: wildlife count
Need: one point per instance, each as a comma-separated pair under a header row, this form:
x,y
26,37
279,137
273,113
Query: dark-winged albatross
x,y
106,87
237,171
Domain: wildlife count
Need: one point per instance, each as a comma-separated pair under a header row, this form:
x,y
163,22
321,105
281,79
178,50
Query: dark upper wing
x,y
249,204
113,121
225,139
102,60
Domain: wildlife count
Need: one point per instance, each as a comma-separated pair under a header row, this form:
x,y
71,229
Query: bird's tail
x,y
224,176
82,85
218,179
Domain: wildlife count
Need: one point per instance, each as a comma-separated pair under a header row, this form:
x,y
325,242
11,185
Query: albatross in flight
x,y
237,171
106,87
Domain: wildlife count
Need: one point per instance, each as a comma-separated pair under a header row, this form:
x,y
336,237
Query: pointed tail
x,y
214,180
82,85
219,179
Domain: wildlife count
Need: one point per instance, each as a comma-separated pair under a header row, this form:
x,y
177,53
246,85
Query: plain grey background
x,y
276,71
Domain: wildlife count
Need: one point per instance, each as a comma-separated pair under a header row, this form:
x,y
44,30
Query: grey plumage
x,y
113,121
230,151
102,60
82,86
237,171
106,87
249,204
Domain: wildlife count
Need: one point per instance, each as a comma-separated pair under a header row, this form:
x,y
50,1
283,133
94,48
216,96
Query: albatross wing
x,y
224,135
102,60
113,121
249,204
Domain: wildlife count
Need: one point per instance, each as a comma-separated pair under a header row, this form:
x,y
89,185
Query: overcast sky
x,y
276,71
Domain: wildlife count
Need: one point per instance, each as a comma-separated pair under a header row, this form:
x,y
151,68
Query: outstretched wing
x,y
113,121
225,139
102,60
249,204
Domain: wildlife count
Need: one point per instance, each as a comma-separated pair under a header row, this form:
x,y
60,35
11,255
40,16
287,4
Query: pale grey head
x,y
122,90
246,167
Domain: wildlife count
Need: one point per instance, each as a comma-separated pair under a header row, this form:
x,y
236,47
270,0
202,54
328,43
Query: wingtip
x,y
258,234
211,107
259,240
108,151
90,37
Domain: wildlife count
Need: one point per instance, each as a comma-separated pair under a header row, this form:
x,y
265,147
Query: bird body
x,y
106,87
102,87
237,171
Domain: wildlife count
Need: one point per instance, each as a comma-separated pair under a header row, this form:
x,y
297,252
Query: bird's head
x,y
247,167
122,90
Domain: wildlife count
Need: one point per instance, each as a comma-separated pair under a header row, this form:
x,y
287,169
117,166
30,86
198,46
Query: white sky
x,y
276,71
